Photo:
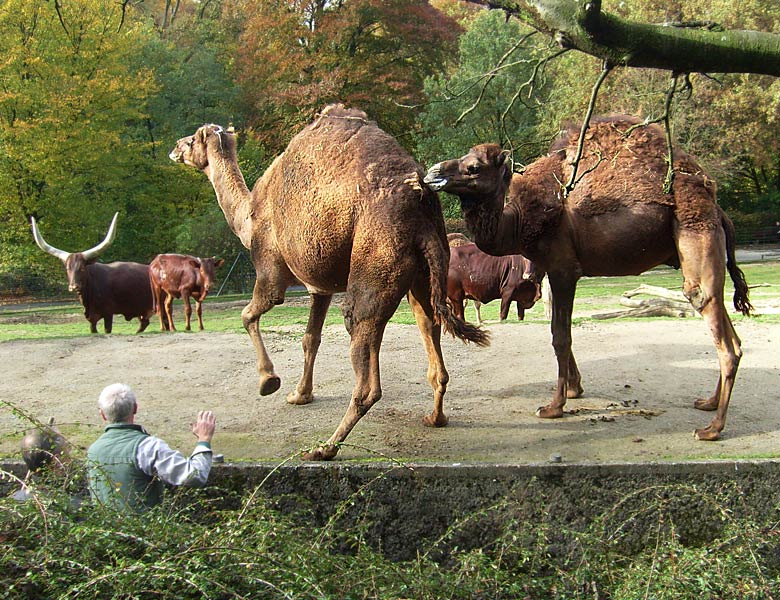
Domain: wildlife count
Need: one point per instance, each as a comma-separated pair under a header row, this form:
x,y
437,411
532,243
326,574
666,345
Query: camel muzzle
x,y
433,178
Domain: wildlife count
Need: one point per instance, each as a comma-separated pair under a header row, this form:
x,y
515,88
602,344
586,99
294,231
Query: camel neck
x,y
233,196
493,226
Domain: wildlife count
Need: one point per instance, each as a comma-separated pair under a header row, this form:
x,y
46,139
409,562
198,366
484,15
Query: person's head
x,y
117,403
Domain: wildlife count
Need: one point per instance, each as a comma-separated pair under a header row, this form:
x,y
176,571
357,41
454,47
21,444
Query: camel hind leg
x,y
703,267
311,344
366,313
420,300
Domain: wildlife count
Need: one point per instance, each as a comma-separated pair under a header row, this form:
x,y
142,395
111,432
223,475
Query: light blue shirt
x,y
155,457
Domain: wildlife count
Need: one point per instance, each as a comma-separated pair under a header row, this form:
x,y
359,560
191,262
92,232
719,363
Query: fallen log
x,y
667,303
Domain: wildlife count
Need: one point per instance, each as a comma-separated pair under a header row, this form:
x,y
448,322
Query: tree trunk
x,y
581,25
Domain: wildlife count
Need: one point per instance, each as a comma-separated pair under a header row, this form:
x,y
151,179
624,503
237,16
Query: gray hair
x,y
117,401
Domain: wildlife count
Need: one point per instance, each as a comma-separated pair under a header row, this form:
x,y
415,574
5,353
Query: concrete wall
x,y
405,508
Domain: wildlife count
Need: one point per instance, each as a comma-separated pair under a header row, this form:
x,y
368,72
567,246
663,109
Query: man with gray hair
x,y
127,466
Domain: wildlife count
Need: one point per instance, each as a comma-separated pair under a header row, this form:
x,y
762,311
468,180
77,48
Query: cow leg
x,y
158,307
185,296
262,301
420,300
143,323
311,344
459,306
366,313
506,301
93,326
169,311
108,323
199,311
563,287
702,261
478,307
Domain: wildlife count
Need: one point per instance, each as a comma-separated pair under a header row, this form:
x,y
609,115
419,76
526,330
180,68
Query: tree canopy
x,y
94,93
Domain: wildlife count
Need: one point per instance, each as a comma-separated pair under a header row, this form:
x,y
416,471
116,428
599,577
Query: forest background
x,y
95,93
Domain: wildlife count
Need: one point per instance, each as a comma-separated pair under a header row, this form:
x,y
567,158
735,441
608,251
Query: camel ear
x,y
200,135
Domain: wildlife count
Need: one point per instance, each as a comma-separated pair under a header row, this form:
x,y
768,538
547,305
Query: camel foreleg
x,y
311,344
568,383
250,316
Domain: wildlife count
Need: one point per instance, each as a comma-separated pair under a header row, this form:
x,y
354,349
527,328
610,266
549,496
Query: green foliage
x,y
494,113
201,544
293,58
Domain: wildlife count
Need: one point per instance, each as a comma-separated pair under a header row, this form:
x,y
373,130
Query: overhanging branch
x,y
581,25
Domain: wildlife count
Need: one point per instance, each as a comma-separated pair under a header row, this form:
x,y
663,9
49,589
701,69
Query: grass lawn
x,y
223,313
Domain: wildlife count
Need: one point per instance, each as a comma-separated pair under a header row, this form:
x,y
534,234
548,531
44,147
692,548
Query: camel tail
x,y
436,255
741,299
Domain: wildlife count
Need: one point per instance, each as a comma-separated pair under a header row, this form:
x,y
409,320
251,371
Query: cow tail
x,y
155,308
741,299
436,253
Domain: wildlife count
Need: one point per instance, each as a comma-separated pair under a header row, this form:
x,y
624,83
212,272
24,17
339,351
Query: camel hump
x,y
339,111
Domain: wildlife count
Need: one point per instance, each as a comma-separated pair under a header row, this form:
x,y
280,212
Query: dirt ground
x,y
640,380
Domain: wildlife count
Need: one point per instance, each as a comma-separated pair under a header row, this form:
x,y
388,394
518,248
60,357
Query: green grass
x,y
223,314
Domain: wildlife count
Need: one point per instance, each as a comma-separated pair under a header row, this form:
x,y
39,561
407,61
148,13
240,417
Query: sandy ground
x,y
640,380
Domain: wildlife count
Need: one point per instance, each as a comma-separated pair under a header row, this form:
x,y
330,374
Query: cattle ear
x,y
219,263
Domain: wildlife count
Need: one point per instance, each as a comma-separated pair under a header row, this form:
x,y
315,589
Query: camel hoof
x,y
299,399
708,434
269,385
706,403
320,453
431,421
574,392
549,412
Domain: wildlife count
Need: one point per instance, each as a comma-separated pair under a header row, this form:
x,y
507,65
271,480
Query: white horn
x,y
61,254
93,252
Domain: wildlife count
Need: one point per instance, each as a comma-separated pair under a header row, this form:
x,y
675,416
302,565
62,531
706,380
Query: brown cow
x,y
105,290
482,278
181,276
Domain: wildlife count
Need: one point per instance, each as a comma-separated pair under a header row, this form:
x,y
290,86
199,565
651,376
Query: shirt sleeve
x,y
155,457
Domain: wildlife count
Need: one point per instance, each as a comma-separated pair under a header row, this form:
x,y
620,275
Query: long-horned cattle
x,y
617,220
482,278
105,290
343,209
185,277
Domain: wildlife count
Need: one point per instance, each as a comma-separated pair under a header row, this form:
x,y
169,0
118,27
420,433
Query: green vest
x,y
114,477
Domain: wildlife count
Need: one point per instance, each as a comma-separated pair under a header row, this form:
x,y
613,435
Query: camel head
x,y
75,262
484,173
194,150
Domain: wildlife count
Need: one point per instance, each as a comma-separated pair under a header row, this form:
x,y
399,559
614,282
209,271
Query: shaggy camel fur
x,y
342,209
616,221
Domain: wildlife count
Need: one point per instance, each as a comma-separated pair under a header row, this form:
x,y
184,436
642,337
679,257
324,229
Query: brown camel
x,y
616,221
343,209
